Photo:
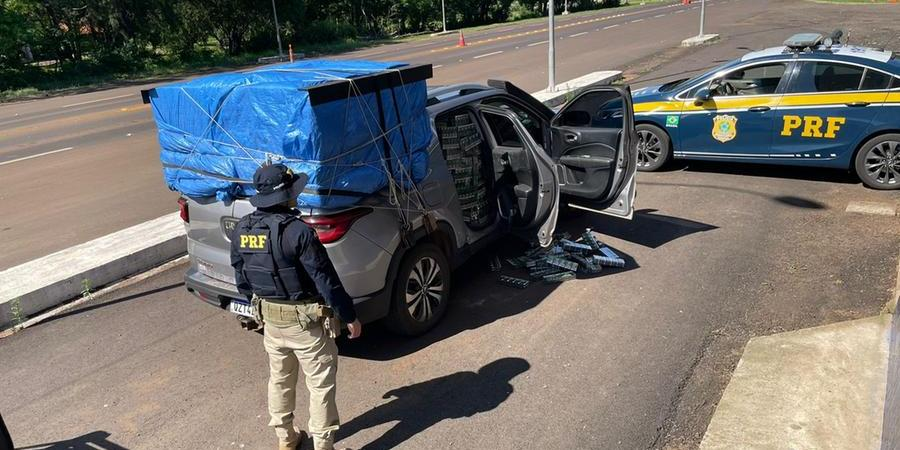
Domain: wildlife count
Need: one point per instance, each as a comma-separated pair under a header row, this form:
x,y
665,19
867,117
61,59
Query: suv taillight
x,y
183,210
333,227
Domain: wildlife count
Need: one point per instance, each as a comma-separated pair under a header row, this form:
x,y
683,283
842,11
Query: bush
x,y
519,11
325,31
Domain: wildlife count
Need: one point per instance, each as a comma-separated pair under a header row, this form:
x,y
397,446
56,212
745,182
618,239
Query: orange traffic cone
x,y
462,40
291,52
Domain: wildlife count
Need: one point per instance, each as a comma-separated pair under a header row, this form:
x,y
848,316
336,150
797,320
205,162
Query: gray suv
x,y
500,162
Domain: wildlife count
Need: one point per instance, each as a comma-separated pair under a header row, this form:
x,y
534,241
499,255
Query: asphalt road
x,y
78,167
634,358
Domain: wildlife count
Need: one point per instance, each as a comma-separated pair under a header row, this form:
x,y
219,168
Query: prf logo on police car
x,y
812,126
253,242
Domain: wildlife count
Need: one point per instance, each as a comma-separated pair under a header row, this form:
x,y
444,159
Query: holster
x,y
330,323
254,308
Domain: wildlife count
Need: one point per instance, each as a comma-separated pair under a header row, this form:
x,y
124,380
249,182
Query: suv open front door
x,y
526,182
592,141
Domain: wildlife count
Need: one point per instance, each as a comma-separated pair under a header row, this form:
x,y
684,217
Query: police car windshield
x,y
691,81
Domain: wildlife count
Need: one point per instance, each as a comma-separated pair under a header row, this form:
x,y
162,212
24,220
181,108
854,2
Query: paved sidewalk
x,y
815,388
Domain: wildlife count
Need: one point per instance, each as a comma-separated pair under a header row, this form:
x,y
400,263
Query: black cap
x,y
276,184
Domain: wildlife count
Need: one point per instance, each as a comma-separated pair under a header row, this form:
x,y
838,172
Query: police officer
x,y
281,266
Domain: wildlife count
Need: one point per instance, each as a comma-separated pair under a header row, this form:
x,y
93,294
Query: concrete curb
x,y
890,436
46,282
700,40
575,86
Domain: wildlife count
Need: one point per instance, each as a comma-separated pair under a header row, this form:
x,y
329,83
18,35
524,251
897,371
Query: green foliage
x,y
87,291
326,31
522,10
58,43
15,309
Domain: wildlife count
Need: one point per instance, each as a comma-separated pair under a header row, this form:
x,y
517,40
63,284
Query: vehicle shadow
x,y
647,227
766,170
97,440
477,299
420,406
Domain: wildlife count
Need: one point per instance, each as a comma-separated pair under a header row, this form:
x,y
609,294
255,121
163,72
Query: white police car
x,y
812,102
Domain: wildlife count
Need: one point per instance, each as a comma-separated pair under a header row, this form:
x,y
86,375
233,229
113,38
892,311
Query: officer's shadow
x,y
417,407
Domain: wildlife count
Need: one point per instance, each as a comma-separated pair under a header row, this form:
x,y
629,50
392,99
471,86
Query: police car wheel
x,y
878,162
421,291
653,147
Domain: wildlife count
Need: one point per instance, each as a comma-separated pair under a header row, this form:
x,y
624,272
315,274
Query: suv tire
x,y
654,147
883,152
420,292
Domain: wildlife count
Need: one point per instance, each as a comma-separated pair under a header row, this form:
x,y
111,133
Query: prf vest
x,y
270,274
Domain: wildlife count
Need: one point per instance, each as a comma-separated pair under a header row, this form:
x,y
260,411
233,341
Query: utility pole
x,y
277,31
566,7
551,52
444,15
702,16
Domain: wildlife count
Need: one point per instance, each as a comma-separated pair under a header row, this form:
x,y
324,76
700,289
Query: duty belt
x,y
305,301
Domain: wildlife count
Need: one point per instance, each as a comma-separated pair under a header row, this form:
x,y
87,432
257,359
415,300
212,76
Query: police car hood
x,y
650,92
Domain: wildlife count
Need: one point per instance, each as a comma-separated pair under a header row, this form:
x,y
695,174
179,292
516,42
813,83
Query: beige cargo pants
x,y
295,339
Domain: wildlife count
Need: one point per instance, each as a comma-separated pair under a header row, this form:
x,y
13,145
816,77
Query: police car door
x,y
732,116
536,188
827,107
592,141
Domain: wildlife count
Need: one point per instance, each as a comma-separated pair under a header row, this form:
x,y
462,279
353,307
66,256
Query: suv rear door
x,y
540,191
592,141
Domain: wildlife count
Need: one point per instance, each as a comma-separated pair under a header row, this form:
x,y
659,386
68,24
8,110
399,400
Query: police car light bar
x,y
799,42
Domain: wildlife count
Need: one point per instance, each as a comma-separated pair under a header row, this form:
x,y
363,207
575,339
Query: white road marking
x,y
659,15
610,26
874,208
637,20
35,156
487,54
579,34
437,66
537,43
99,100
679,11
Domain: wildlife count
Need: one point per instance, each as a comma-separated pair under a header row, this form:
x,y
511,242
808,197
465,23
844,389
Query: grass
x,y
860,2
16,311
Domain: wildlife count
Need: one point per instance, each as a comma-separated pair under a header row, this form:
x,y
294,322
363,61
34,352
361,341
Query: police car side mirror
x,y
703,96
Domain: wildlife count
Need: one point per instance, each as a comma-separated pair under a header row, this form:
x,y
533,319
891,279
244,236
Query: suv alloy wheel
x,y
421,291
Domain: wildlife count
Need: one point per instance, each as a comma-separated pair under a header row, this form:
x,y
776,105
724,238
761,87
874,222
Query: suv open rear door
x,y
525,171
592,142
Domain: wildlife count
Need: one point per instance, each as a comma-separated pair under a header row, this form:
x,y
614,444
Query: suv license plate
x,y
241,309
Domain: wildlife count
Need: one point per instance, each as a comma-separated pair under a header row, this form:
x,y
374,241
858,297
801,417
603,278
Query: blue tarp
x,y
215,131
